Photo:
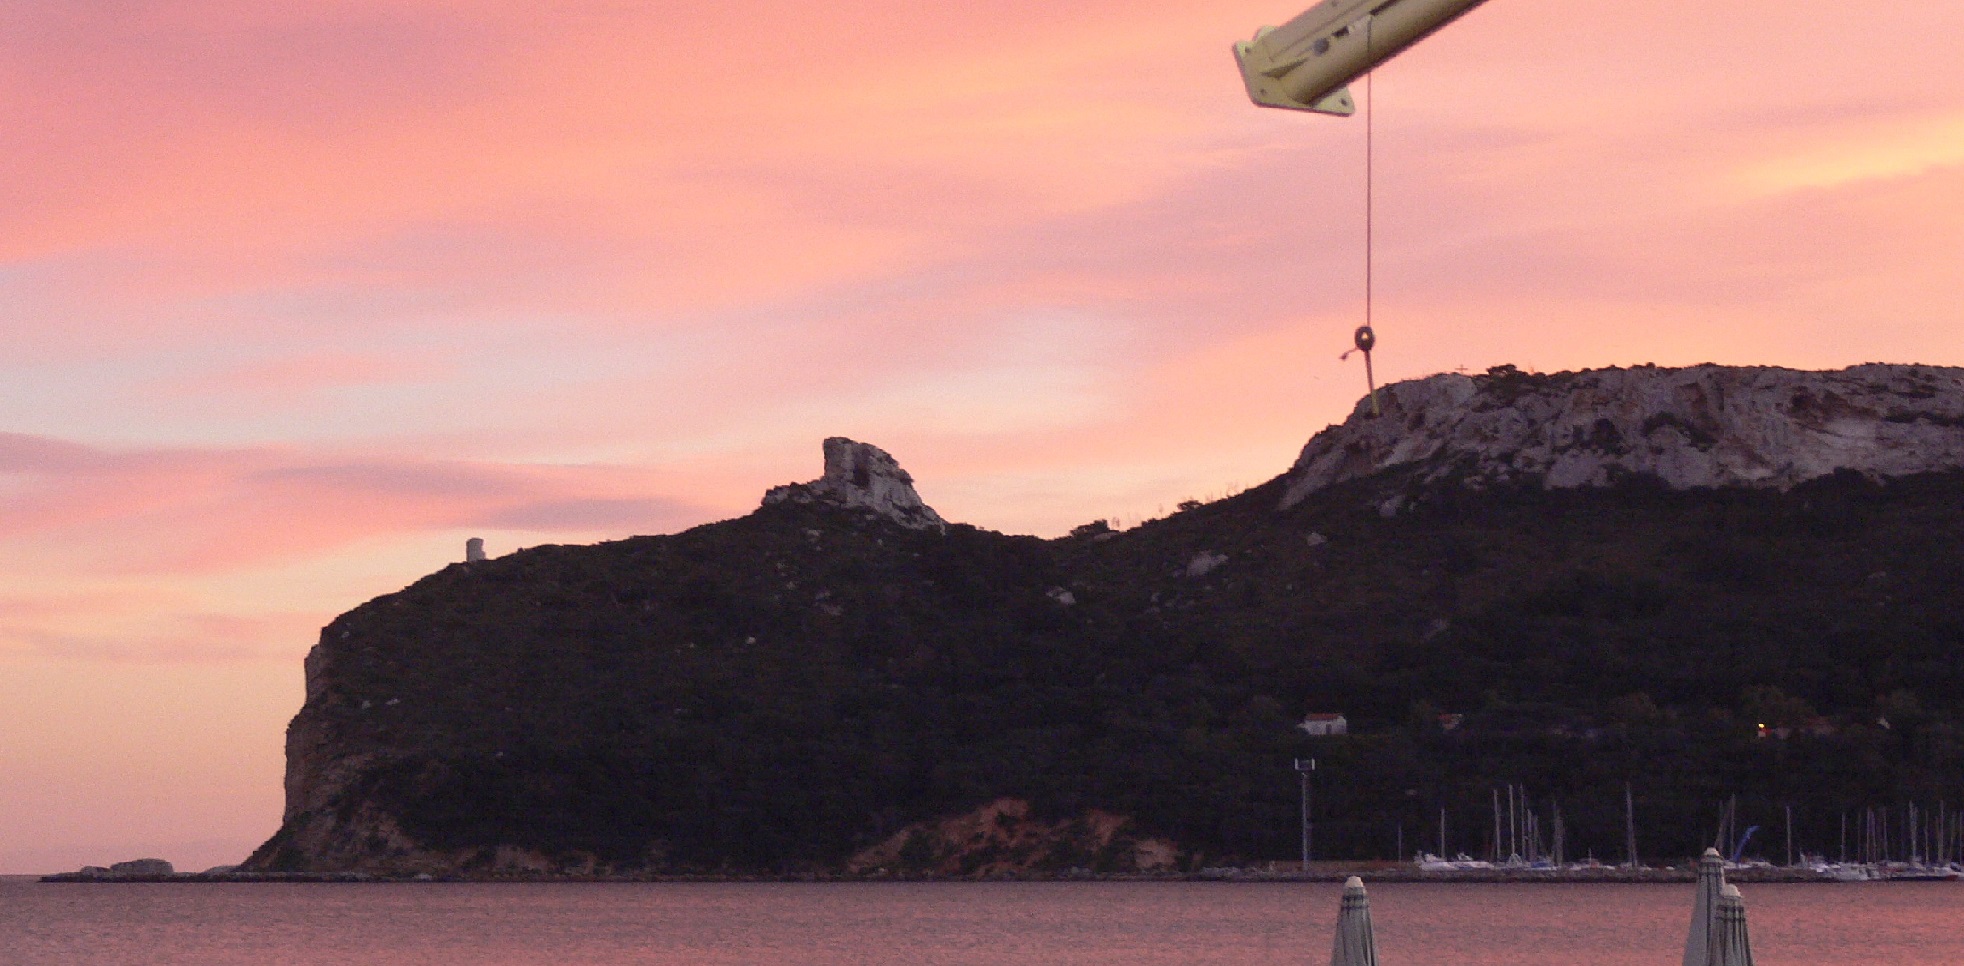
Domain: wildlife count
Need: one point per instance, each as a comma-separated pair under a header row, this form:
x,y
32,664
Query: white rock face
x,y
862,476
1204,563
1704,426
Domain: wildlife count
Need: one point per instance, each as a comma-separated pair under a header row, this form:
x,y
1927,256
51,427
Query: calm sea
x,y
926,924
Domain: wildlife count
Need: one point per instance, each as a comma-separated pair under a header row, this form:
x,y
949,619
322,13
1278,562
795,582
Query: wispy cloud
x,y
1854,153
176,639
169,511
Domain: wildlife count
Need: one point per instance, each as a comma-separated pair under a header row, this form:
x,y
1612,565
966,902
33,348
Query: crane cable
x,y
1366,337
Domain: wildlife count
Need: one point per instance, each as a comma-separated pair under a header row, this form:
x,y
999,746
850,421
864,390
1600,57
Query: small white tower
x,y
474,550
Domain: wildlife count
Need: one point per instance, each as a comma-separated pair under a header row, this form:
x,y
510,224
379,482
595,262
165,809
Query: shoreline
x,y
1375,874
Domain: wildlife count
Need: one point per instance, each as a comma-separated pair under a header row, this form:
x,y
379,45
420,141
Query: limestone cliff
x,y
1705,426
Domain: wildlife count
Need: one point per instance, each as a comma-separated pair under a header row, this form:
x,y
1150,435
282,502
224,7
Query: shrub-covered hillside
x,y
778,692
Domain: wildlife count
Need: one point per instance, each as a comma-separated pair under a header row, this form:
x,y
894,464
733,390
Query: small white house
x,y
1323,725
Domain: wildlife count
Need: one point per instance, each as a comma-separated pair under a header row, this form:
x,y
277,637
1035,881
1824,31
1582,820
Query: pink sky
x,y
297,297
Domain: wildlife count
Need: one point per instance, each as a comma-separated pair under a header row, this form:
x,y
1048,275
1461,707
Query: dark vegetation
x,y
776,692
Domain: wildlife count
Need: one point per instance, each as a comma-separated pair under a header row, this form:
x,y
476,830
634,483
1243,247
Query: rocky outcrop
x,y
1005,838
863,477
1704,426
142,867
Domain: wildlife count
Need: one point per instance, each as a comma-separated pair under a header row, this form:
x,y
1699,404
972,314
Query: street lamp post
x,y
1304,766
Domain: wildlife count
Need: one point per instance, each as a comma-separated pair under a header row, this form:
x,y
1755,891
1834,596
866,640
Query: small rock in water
x,y
142,867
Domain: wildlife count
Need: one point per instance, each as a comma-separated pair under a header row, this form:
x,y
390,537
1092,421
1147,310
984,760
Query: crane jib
x,y
1307,63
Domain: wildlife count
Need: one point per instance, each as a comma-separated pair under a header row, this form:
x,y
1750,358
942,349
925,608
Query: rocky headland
x,y
1705,582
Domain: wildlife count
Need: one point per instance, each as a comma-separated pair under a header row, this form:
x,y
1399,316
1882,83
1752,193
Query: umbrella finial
x,y
1705,910
1731,946
1356,943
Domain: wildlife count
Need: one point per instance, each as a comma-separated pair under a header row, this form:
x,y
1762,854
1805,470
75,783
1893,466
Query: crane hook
x,y
1366,340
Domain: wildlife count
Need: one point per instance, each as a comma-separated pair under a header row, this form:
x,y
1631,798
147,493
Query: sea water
x,y
926,924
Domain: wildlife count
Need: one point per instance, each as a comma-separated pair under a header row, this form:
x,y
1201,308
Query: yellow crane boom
x,y
1308,63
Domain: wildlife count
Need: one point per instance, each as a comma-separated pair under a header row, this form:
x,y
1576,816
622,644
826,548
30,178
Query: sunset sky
x,y
299,296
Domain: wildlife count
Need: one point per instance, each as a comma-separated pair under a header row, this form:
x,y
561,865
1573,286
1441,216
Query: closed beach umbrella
x,y
1355,945
1704,910
1730,945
